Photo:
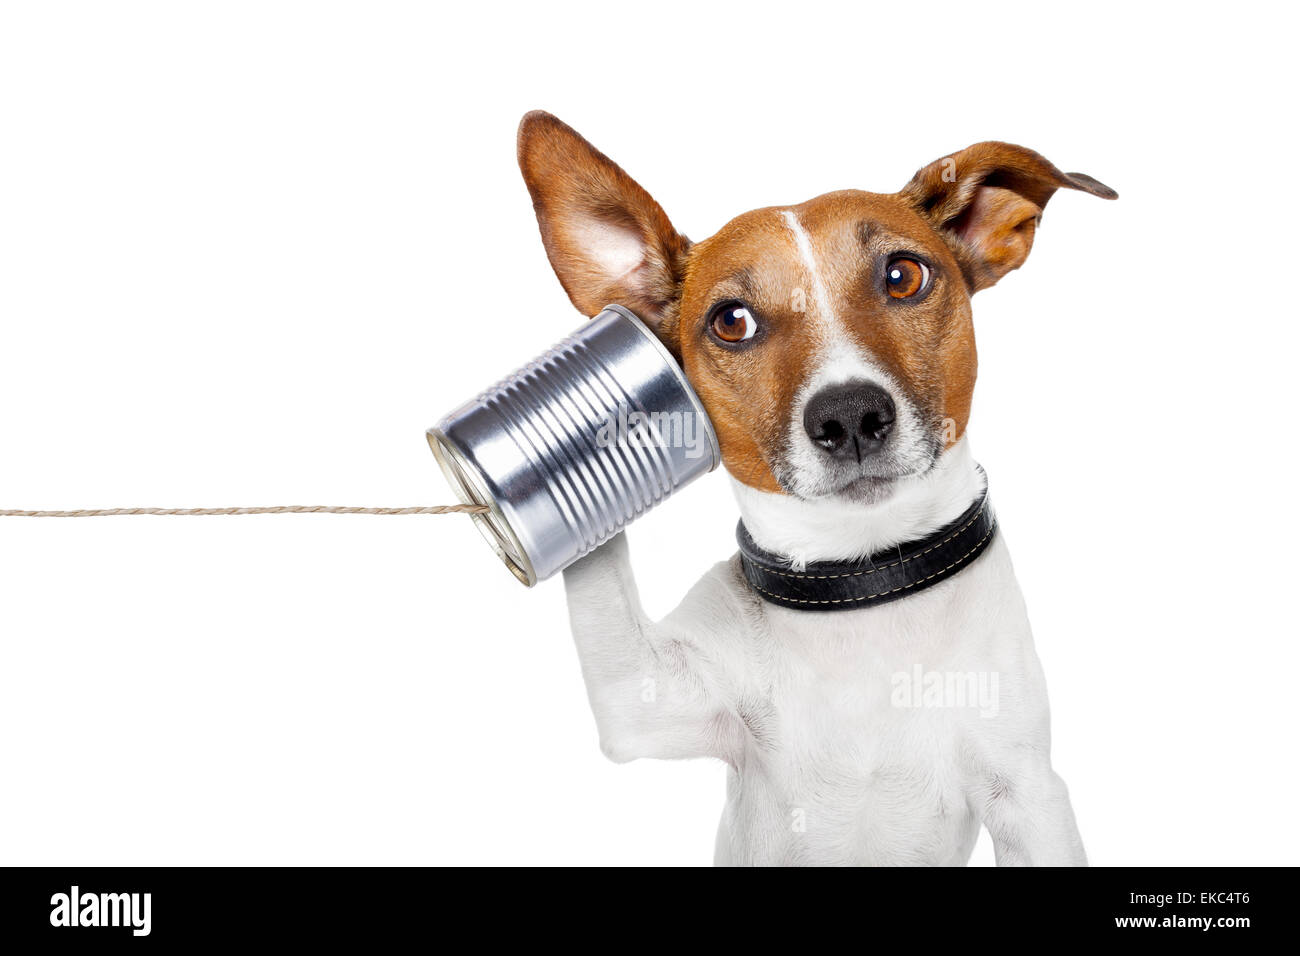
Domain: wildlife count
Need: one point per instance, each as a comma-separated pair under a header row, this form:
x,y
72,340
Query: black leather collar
x,y
879,579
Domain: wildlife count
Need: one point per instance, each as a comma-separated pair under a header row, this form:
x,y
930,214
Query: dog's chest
x,y
864,728
850,771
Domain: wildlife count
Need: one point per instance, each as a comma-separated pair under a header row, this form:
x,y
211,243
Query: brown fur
x,y
971,217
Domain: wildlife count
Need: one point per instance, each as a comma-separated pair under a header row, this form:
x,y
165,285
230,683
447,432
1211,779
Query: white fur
x,y
831,529
824,317
823,766
615,251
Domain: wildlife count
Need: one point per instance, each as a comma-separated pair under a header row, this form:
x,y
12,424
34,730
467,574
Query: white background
x,y
248,252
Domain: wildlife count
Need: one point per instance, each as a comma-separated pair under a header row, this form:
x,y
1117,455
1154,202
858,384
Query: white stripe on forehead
x,y
821,295
826,323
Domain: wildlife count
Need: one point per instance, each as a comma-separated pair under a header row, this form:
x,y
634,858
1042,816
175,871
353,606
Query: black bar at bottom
x,y
132,907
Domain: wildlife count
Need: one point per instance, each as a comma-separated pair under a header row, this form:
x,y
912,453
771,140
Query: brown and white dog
x,y
832,345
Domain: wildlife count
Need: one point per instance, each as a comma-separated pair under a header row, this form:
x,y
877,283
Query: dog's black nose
x,y
849,421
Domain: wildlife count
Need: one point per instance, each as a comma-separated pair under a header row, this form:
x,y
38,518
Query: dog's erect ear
x,y
986,201
607,240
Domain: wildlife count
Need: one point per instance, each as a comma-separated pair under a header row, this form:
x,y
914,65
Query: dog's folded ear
x,y
607,239
986,201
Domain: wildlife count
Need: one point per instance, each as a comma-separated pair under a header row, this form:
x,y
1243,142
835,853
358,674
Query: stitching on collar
x,y
781,599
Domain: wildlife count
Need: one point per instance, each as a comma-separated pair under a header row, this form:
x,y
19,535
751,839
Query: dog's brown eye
x,y
733,322
904,278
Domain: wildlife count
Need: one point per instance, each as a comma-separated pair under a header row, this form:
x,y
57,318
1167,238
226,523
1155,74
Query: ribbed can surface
x,y
571,448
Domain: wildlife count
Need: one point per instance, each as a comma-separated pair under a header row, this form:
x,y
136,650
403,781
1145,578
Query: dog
x,y
832,346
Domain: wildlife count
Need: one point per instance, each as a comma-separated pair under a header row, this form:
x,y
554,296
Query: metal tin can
x,y
571,448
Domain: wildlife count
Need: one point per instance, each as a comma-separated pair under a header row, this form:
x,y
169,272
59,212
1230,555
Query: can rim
x,y
679,372
468,484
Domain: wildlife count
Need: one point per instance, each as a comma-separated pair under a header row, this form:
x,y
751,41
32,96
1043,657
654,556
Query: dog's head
x,y
831,342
